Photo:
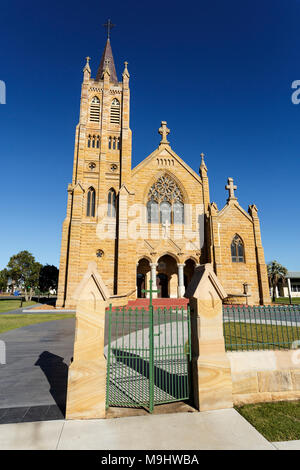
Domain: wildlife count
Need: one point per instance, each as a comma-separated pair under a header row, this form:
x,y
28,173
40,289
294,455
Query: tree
x,y
24,271
48,278
3,280
276,272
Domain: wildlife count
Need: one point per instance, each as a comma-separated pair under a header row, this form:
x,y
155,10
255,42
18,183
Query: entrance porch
x,y
168,275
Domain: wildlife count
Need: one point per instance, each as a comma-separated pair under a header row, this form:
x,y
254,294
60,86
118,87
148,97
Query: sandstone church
x,y
154,221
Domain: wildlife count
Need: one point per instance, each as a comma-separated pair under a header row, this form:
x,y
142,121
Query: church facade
x,y
154,221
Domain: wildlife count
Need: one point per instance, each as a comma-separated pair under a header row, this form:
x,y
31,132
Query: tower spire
x,y
107,57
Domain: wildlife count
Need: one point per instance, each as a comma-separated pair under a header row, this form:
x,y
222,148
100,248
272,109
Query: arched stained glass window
x,y
237,250
165,189
91,200
165,212
111,203
152,212
178,213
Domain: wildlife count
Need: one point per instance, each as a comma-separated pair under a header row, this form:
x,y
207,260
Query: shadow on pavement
x,y
56,372
173,383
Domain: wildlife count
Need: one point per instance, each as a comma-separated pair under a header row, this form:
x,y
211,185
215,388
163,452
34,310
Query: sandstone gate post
x,y
212,383
87,373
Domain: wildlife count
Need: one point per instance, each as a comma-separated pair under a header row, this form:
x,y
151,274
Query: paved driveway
x,y
34,378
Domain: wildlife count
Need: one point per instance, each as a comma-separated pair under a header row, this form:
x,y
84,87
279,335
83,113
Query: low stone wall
x,y
264,376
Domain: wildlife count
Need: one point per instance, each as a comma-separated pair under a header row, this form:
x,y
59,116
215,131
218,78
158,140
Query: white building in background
x,y
292,284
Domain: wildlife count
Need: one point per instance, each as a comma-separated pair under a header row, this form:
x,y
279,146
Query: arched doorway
x,y
142,276
162,285
189,269
140,283
167,276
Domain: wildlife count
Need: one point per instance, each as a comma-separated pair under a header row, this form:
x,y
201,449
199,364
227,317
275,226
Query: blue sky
x,y
219,72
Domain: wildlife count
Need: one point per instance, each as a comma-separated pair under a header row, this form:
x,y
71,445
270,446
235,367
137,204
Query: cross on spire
x,y
231,187
108,25
164,131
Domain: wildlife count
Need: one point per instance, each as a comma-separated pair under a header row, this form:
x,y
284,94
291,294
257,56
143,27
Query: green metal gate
x,y
148,355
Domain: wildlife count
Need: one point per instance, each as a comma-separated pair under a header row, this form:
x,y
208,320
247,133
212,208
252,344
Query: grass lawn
x,y
275,421
286,300
11,322
241,336
6,305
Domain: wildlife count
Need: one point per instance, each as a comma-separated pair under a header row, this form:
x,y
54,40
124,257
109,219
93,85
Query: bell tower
x,y
103,136
102,164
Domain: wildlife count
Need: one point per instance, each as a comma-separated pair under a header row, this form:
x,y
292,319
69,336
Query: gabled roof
x,y
237,206
107,56
172,154
76,186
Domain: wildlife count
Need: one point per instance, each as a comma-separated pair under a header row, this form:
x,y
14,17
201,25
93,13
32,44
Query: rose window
x,y
165,202
165,189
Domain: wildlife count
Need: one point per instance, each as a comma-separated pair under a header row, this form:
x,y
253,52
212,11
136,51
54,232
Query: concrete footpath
x,y
210,430
20,310
287,445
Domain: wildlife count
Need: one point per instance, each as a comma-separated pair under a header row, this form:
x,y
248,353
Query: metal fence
x,y
261,327
148,354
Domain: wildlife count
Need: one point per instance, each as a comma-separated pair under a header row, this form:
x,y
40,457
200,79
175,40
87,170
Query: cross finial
x,y
125,73
87,68
231,187
203,168
108,25
164,131
125,68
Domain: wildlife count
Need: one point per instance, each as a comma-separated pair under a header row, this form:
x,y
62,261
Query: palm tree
x,y
275,272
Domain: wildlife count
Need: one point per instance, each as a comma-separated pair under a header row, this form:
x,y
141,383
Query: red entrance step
x,y
157,303
162,302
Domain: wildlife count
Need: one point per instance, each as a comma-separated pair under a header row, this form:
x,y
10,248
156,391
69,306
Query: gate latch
x,y
156,334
